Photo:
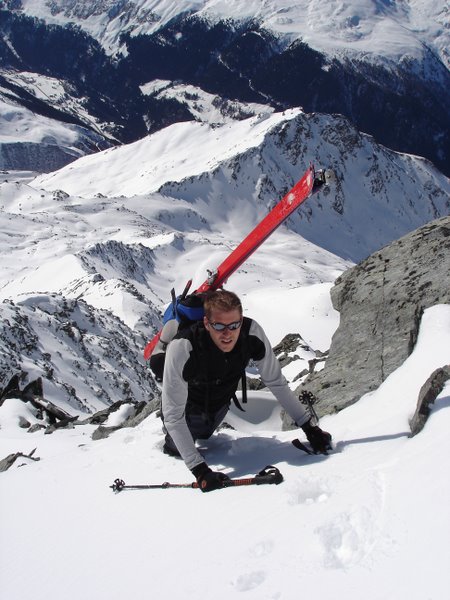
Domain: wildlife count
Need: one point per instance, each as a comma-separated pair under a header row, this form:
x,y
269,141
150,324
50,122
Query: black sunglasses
x,y
221,326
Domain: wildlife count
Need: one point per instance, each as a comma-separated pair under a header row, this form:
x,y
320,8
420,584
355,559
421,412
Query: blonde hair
x,y
221,300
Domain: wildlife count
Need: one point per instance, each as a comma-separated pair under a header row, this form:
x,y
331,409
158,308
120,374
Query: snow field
x,y
359,520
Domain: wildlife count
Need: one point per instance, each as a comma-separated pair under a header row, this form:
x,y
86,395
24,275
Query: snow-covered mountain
x,y
383,29
384,65
40,142
114,231
379,194
89,253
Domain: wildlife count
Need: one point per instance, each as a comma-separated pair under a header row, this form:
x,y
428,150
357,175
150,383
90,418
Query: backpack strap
x,y
244,387
158,356
244,393
244,335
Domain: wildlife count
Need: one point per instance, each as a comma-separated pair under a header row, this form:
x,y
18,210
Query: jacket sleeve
x,y
174,398
270,371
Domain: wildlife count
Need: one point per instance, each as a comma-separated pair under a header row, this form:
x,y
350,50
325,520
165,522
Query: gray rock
x,y
24,423
427,395
9,460
36,427
381,302
142,411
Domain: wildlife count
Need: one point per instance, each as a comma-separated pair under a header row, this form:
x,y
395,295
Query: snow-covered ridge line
x,y
182,150
242,168
389,29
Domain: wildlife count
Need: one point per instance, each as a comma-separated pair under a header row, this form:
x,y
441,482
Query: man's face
x,y
226,339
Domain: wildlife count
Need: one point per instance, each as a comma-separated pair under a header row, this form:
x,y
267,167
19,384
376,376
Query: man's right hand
x,y
207,479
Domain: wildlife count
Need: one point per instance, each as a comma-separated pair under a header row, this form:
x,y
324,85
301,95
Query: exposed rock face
x,y
92,361
381,301
48,416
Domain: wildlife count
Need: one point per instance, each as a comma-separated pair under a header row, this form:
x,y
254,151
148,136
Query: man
x,y
203,366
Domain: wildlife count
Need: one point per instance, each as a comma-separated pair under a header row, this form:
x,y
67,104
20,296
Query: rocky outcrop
x,y
9,460
381,301
137,413
46,415
427,395
89,359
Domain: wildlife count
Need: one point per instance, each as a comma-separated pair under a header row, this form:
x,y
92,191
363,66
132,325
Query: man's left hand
x,y
320,440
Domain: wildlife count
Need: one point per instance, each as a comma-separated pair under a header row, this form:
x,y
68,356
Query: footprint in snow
x,y
308,491
348,539
249,581
263,548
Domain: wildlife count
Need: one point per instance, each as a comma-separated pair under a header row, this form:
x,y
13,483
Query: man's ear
x,y
205,322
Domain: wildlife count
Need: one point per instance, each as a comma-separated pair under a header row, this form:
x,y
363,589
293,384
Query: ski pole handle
x,y
269,475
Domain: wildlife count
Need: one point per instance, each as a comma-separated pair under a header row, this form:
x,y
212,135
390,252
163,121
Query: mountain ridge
x,y
401,101
262,157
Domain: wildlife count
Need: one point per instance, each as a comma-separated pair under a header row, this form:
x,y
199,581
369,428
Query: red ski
x,y
309,183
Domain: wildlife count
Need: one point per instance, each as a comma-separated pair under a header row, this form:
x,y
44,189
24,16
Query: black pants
x,y
200,424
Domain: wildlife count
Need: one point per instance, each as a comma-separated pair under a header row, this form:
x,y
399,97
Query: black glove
x,y
320,440
207,479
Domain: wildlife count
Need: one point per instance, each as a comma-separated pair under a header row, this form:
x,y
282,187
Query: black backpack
x,y
180,314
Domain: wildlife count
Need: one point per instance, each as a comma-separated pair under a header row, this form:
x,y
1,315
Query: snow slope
x,y
86,274
204,107
359,522
216,169
57,94
179,151
27,138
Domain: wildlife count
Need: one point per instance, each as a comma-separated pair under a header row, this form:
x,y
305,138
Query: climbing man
x,y
203,366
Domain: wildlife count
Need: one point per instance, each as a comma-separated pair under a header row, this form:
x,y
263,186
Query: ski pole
x,y
308,398
119,485
268,475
